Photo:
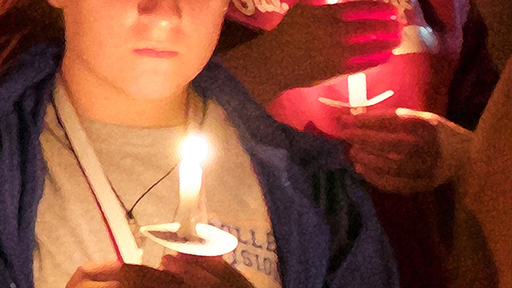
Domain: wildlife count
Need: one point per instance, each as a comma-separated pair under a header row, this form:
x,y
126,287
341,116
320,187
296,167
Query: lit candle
x,y
194,151
186,235
357,93
191,176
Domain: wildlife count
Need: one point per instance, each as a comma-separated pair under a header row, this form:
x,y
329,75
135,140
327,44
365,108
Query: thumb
x,y
191,273
453,139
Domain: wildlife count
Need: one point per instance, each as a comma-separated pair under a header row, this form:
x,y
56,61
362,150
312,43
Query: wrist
x,y
455,143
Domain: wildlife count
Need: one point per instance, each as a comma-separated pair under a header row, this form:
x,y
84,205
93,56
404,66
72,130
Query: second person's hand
x,y
207,272
403,150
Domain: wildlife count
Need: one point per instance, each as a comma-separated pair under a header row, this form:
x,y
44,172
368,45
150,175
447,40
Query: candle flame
x,y
194,149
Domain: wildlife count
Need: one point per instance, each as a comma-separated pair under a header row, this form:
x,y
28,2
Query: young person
x,y
134,73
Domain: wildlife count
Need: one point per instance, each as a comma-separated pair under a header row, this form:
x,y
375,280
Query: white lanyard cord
x,y
109,205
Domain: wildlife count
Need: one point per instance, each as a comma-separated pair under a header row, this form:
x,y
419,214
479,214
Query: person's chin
x,y
152,90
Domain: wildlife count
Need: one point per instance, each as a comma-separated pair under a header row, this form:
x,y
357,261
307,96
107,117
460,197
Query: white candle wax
x,y
194,151
357,93
191,176
190,185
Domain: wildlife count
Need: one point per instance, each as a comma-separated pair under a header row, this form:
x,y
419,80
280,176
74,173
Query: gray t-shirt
x,y
70,231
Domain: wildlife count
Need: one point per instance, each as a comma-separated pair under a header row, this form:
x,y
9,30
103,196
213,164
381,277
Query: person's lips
x,y
155,53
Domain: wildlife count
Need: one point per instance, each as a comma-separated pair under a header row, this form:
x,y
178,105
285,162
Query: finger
x,y
169,263
368,60
367,10
223,271
373,27
95,272
395,146
408,159
141,276
416,155
382,141
96,284
395,184
368,52
394,156
380,165
382,40
391,153
412,168
190,273
405,113
188,257
434,120
360,63
383,121
216,266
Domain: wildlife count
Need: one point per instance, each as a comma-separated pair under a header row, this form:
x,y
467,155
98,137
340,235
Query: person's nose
x,y
160,17
162,12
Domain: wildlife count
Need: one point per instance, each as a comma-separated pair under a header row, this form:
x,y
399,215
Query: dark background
x,y
498,17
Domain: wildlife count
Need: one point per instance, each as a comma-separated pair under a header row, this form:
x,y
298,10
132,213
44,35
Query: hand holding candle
x,y
404,150
199,271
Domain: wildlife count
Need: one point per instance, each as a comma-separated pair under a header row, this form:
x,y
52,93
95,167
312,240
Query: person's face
x,y
144,48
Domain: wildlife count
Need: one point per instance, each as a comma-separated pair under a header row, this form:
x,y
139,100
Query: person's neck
x,y
96,99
